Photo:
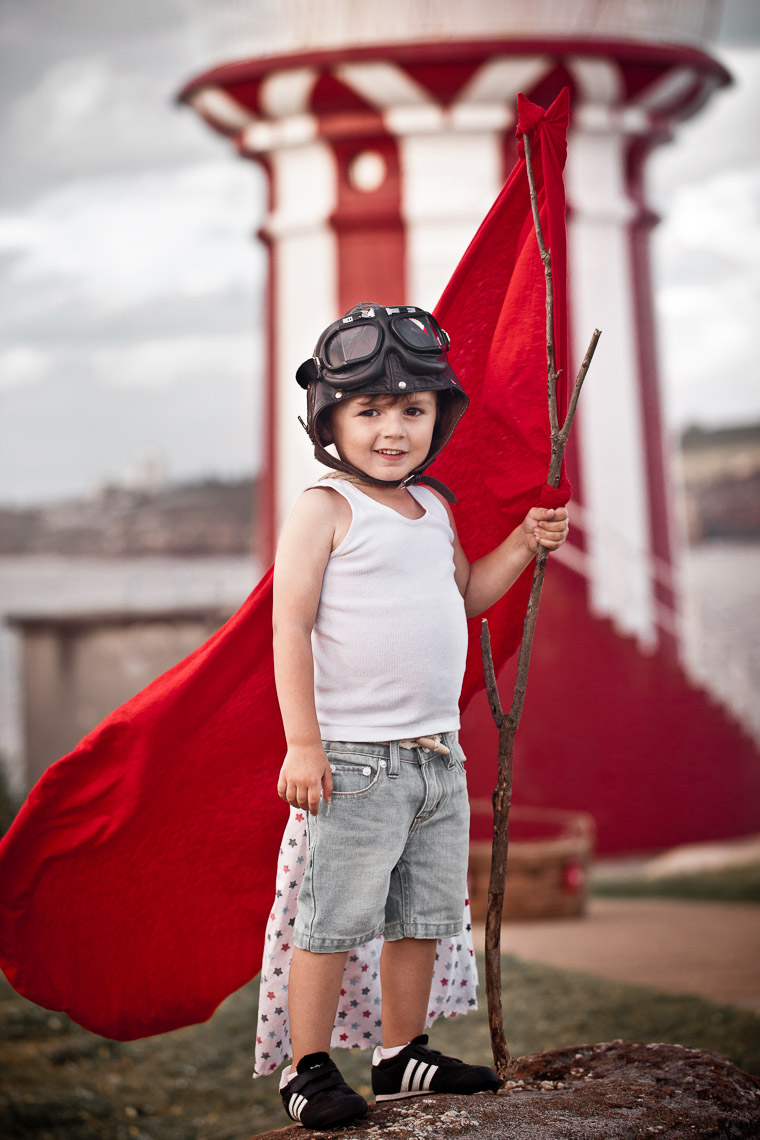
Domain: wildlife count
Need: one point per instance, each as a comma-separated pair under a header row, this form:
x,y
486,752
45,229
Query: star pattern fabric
x,y
358,1022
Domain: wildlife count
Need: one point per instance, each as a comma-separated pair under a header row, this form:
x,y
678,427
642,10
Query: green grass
x,y
62,1083
730,884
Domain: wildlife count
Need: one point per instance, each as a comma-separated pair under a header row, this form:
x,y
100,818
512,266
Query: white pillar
x,y
612,454
305,299
304,293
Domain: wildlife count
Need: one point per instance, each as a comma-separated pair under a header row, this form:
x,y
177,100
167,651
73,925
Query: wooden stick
x,y
546,258
573,403
492,688
508,724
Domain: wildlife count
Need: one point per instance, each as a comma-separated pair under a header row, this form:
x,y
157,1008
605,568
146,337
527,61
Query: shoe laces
x,y
423,1047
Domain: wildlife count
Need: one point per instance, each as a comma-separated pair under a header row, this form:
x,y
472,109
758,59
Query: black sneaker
x,y
418,1070
318,1097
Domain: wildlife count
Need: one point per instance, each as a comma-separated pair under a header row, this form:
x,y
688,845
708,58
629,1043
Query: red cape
x,y
139,874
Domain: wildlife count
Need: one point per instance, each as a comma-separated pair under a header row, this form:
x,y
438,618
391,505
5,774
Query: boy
x,y
371,594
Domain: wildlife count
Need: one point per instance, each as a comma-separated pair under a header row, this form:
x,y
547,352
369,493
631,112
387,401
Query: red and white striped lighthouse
x,y
386,132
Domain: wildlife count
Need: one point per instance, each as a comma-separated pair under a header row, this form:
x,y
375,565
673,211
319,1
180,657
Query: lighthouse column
x,y
302,274
610,420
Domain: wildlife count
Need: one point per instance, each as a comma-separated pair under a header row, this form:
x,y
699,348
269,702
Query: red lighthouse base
x,y
618,733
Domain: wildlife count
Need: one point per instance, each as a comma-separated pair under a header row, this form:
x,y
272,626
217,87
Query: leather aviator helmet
x,y
375,350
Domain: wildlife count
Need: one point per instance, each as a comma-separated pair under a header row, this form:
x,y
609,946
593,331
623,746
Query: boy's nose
x,y
394,425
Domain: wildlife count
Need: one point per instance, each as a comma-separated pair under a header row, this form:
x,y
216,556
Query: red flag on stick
x,y
495,313
138,876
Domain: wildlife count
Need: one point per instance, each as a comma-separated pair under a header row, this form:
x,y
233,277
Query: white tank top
x,y
390,636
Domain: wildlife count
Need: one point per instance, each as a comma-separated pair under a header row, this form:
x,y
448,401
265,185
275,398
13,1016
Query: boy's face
x,y
386,437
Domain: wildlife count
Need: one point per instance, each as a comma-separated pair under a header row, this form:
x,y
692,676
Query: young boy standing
x,y
371,595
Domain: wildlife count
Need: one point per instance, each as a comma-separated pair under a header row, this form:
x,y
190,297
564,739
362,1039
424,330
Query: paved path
x,y
711,949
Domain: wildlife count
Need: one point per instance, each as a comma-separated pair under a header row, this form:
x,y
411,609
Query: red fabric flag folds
x,y
494,310
138,876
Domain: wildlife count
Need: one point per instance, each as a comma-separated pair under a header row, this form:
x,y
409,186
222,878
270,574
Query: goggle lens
x,y
420,334
348,346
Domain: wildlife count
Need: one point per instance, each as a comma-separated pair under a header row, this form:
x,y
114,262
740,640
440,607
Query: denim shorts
x,y
388,854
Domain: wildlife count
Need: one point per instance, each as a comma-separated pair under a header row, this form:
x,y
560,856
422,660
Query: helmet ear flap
x,y
323,426
307,373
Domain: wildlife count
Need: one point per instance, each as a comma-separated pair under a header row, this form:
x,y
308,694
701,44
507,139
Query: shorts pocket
x,y
353,775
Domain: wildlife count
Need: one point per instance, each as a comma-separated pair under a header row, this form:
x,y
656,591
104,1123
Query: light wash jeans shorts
x,y
388,854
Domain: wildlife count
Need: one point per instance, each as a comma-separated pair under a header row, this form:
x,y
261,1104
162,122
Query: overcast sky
x,y
131,285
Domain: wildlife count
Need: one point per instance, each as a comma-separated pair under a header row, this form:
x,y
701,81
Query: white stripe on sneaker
x,y
429,1077
406,1080
296,1105
418,1076
416,1081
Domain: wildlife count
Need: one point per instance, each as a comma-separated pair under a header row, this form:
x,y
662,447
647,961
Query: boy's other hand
x,y
545,526
305,777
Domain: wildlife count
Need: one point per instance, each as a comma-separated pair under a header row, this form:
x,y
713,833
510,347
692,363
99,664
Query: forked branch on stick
x,y
507,724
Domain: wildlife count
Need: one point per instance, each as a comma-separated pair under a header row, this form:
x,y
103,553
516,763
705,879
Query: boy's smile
x,y
386,437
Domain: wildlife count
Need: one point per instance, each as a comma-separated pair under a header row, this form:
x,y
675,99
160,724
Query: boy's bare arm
x,y
302,554
484,581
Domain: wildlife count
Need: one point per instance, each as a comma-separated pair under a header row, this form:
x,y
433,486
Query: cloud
x,y
110,243
722,136
709,317
21,365
89,88
165,361
740,22
97,414
707,257
130,284
721,215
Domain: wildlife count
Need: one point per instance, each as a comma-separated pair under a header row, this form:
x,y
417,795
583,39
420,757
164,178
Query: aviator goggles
x,y
352,351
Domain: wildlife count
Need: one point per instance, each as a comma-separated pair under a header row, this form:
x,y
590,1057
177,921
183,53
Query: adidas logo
x,y
296,1106
417,1076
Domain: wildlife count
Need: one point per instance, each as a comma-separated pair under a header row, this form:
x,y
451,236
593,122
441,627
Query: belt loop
x,y
395,762
449,739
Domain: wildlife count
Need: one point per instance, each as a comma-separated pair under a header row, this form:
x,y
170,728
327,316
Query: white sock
x,y
382,1054
286,1075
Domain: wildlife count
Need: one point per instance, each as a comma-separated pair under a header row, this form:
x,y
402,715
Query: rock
x,y
619,1091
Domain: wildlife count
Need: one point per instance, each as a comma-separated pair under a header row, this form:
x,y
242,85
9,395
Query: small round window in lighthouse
x,y
366,171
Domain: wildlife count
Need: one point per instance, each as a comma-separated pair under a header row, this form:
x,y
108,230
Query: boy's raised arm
x,y
484,581
302,555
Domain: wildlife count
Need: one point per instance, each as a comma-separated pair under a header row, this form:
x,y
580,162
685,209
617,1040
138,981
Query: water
x,y
722,629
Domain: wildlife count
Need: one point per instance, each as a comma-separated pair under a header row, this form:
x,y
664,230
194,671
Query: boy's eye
x,y
368,412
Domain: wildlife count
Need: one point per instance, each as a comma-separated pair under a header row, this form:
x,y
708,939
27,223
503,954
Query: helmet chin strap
x,y
436,485
329,460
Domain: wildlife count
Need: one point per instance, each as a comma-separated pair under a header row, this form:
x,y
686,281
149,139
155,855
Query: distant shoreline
x,y
190,520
